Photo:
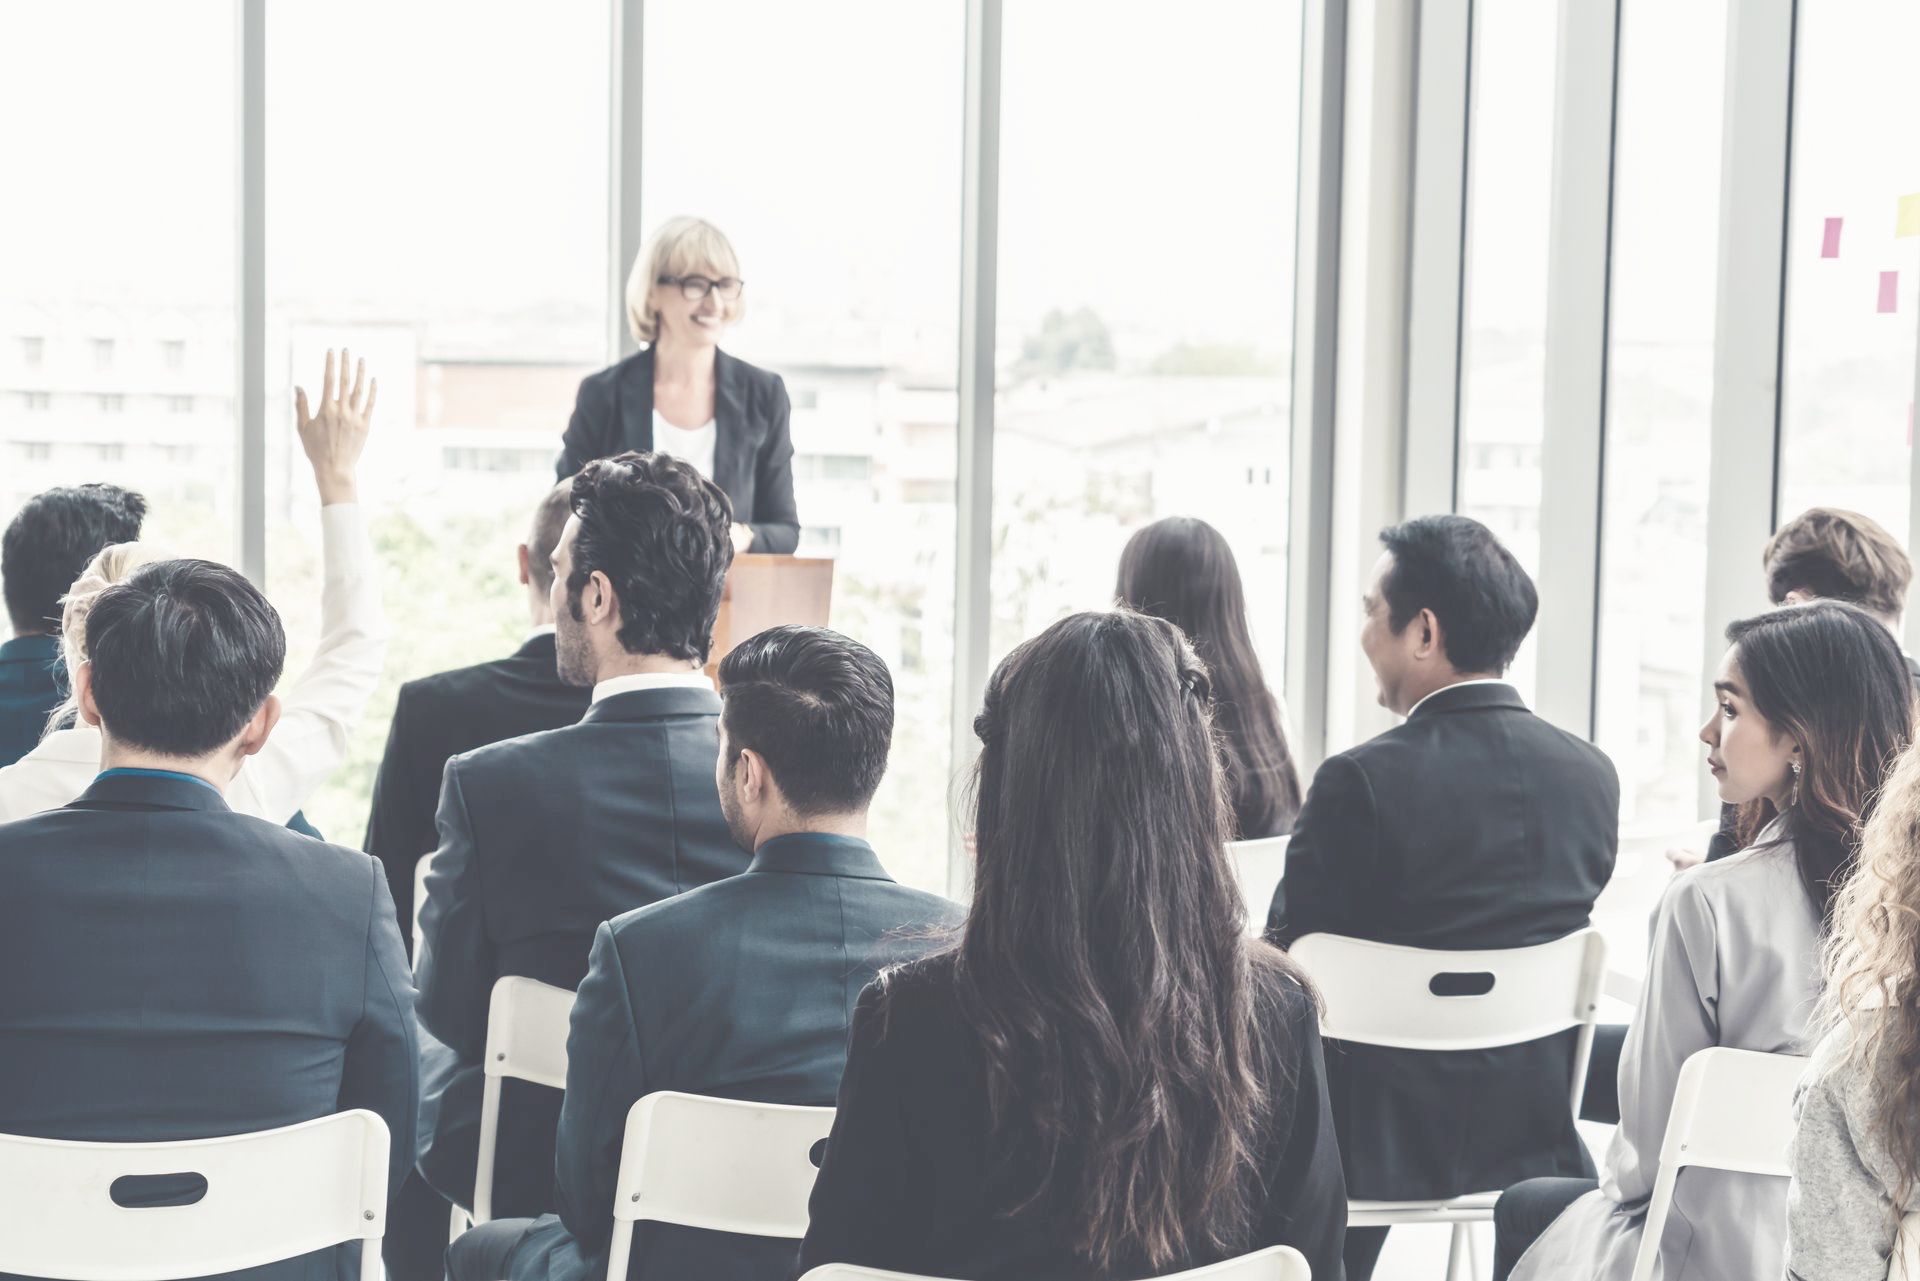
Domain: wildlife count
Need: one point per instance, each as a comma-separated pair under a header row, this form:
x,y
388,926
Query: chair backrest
x,y
421,866
1275,1263
274,1195
722,1164
1259,865
1732,1110
527,1024
1415,999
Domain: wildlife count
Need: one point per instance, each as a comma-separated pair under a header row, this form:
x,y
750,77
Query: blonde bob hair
x,y
681,247
114,563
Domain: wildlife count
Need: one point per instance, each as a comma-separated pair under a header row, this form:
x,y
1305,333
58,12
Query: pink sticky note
x,y
1830,245
1889,291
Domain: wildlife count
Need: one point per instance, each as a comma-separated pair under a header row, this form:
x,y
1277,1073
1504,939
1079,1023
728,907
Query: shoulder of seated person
x,y
506,753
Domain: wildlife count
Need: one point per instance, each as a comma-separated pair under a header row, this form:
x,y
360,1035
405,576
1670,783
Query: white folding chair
x,y
1275,1263
1732,1110
721,1164
421,866
273,1195
1906,1249
1259,865
527,1024
1378,994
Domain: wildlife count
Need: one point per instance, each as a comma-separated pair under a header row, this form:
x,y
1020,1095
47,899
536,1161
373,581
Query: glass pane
x,y
1145,298
455,234
117,259
1852,292
1504,344
1659,406
836,175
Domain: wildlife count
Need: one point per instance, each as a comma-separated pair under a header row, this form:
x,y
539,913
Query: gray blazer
x,y
1842,1222
1735,962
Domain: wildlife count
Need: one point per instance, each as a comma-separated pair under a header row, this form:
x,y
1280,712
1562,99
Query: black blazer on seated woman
x,y
907,1181
752,450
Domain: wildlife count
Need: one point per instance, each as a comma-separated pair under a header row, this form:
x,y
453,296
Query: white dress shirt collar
x,y
1485,680
650,680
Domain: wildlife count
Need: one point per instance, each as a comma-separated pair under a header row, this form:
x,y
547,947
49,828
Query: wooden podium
x,y
766,591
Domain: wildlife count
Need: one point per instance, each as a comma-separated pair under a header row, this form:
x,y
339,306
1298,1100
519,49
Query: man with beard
x,y
743,989
544,837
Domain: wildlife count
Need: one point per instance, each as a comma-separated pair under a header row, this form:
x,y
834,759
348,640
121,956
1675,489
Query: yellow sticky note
x,y
1909,217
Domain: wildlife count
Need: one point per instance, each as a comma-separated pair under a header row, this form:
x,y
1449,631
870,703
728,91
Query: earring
x,y
1795,798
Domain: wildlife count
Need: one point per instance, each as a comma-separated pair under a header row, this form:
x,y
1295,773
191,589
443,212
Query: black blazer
x,y
438,717
743,989
909,1180
1475,824
752,450
174,970
542,838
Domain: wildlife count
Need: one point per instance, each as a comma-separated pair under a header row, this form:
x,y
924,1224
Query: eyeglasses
x,y
694,288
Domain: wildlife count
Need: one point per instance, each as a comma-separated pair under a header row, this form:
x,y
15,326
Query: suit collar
x,y
153,790
654,704
730,445
30,649
1469,696
540,645
633,398
819,854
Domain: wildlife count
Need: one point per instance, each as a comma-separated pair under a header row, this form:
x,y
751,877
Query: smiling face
x,y
693,322
1748,756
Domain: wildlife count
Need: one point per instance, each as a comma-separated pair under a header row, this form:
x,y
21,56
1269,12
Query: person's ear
x,y
751,768
601,604
83,694
1429,634
254,736
524,557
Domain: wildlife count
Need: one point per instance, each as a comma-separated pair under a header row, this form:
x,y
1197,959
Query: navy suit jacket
x,y
174,970
542,838
436,718
744,989
753,440
30,676
1474,824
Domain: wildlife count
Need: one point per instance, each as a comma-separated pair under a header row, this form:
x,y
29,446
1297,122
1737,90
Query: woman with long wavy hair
x,y
1813,703
1103,1076
1182,569
1856,1156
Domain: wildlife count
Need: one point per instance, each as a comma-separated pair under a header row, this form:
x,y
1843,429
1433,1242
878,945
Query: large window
x,y
1853,277
452,228
1659,406
117,259
836,174
1504,339
1145,296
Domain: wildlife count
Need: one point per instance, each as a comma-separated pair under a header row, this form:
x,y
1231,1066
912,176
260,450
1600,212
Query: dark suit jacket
x,y
438,717
1475,824
30,676
742,989
752,451
175,971
910,1181
541,839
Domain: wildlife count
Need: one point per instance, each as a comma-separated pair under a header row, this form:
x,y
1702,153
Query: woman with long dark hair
x,y
1103,1077
1813,705
1181,569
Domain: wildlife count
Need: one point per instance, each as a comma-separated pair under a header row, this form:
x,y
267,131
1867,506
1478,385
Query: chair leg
x,y
1454,1251
1473,1252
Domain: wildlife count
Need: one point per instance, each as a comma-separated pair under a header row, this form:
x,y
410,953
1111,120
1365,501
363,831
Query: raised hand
x,y
335,437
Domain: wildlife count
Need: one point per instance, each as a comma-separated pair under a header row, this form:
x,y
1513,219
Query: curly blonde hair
x,y
1873,969
114,563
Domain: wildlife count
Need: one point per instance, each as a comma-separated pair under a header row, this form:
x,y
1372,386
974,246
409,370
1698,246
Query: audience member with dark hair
x,y
742,988
1104,1076
47,544
1474,824
1815,703
178,970
322,705
437,717
545,836
1182,570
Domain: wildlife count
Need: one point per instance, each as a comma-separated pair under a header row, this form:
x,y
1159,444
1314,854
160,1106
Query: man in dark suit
x,y
176,970
1474,824
544,837
47,544
743,989
438,717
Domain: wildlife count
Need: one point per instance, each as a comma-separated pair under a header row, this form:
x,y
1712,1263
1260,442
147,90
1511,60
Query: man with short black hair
x,y
745,988
545,836
178,970
1473,824
47,544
